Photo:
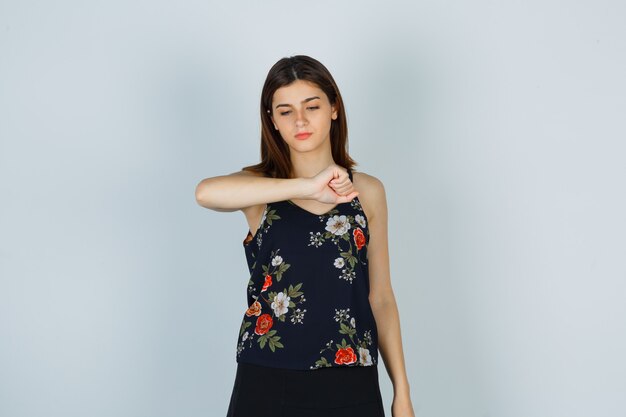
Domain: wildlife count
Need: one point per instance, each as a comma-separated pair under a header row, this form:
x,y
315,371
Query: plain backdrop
x,y
497,128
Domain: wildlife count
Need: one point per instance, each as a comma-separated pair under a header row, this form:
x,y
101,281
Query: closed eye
x,y
284,113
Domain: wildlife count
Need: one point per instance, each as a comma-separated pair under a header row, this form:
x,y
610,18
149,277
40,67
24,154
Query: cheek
x,y
283,122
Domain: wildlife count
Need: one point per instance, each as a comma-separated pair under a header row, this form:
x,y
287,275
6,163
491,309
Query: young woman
x,y
319,299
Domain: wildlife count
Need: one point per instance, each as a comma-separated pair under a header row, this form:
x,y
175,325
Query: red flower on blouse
x,y
359,238
263,324
345,356
268,282
254,309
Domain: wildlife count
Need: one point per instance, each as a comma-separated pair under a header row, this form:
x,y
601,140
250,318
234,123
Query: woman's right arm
x,y
243,189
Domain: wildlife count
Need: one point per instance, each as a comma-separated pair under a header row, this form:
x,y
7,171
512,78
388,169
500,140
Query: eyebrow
x,y
304,101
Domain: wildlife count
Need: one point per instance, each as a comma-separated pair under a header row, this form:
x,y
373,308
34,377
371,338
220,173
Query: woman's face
x,y
302,107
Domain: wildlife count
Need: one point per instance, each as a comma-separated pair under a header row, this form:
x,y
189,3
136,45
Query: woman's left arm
x,y
382,298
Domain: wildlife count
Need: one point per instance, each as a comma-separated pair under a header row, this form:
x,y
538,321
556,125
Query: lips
x,y
303,135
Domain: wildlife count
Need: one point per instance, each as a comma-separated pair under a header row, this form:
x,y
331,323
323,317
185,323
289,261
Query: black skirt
x,y
262,391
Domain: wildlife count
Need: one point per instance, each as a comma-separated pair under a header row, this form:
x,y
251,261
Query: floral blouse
x,y
307,296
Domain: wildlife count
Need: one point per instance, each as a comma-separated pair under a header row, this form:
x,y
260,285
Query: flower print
x,y
277,260
345,356
298,315
345,353
338,224
266,221
316,239
360,220
244,336
359,238
356,204
254,309
282,301
342,314
280,304
368,337
268,282
364,356
279,266
348,233
347,275
263,324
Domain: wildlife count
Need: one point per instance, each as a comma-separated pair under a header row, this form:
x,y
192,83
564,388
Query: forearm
x,y
390,343
232,192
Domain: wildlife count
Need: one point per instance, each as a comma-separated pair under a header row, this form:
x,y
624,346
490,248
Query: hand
x,y
402,407
333,186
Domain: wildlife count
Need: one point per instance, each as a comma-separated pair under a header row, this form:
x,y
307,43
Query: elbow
x,y
208,196
203,193
382,298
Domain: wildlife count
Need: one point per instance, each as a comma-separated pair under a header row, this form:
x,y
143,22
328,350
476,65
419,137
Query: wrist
x,y
402,390
304,189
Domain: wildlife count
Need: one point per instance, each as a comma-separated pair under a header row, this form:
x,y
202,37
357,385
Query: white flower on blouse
x,y
338,225
360,220
364,356
339,263
280,304
368,337
245,336
277,260
352,322
342,314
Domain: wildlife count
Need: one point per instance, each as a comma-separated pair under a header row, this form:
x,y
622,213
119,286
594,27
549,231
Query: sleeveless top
x,y
307,296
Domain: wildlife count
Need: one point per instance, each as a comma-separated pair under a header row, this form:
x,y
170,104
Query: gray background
x,y
496,127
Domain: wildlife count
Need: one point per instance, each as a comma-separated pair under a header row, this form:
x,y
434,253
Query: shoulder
x,y
371,193
248,173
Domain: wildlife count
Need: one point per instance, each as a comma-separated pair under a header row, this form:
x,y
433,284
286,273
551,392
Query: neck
x,y
309,164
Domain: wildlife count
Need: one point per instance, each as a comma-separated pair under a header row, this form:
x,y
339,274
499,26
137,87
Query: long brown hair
x,y
275,161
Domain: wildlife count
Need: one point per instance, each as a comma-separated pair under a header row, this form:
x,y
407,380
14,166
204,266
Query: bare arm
x,y
383,301
244,189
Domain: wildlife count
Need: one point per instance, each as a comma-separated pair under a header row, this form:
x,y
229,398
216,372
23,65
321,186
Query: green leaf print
x,y
347,330
293,292
244,326
343,344
322,362
273,302
274,343
270,339
270,215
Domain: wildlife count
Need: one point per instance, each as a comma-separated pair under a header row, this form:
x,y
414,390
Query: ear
x,y
334,113
273,122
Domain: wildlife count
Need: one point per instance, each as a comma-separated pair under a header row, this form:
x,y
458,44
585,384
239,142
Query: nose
x,y
300,119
